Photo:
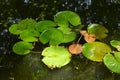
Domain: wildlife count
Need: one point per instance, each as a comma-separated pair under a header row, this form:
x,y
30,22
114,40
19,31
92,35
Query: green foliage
x,y
64,29
99,31
63,18
116,44
95,51
22,48
52,35
56,56
43,25
113,62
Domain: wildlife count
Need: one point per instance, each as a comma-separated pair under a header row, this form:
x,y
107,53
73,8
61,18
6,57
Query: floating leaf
x,y
52,35
89,37
113,62
14,29
27,24
95,51
56,56
43,25
116,44
29,35
22,48
99,31
63,18
70,36
75,49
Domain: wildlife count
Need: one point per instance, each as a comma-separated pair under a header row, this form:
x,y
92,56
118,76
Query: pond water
x,y
30,67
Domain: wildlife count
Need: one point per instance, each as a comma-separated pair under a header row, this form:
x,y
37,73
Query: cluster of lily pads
x,y
62,30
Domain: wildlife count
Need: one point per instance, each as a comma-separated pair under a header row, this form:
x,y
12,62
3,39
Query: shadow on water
x,y
30,67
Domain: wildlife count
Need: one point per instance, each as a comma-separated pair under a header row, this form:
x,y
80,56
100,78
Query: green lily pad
x,y
63,18
43,25
14,29
56,56
112,62
29,35
116,44
68,37
52,35
99,31
22,48
27,24
95,51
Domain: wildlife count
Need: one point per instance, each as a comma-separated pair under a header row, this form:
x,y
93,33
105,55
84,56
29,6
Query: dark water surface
x,y
30,67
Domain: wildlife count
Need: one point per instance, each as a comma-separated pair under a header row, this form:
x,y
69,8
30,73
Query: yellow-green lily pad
x,y
56,56
95,51
113,62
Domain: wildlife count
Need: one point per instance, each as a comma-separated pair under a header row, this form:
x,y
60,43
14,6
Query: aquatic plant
x,y
65,29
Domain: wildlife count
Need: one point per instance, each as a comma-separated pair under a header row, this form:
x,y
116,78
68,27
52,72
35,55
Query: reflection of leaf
x,y
95,50
22,48
29,35
56,56
115,44
63,18
43,25
99,31
52,35
113,62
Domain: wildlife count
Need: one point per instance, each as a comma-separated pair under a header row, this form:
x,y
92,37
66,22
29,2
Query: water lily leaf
x,y
14,29
22,48
99,31
112,62
63,18
43,25
68,37
52,35
29,35
116,44
27,24
95,51
56,56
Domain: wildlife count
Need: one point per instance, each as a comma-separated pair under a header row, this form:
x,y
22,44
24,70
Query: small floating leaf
x,y
116,44
27,24
43,25
52,35
95,51
63,18
75,49
22,48
29,35
112,62
56,56
14,29
89,37
99,31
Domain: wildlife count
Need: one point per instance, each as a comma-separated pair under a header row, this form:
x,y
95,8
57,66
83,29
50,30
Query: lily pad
x,y
29,35
99,31
28,23
22,48
63,18
95,51
43,25
52,35
14,29
113,62
116,44
56,56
